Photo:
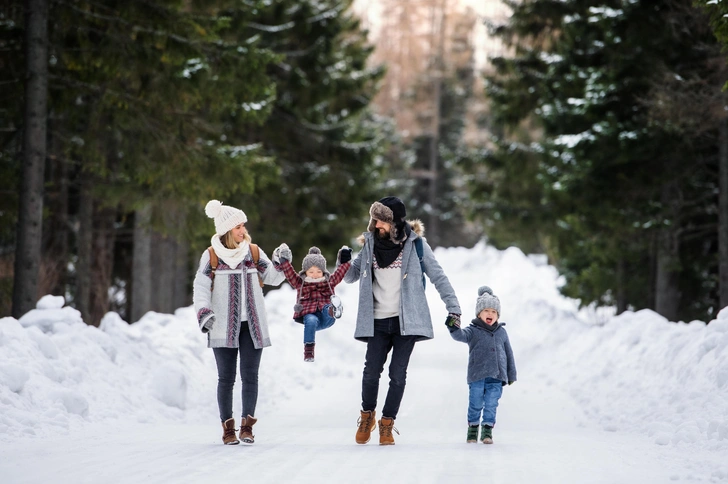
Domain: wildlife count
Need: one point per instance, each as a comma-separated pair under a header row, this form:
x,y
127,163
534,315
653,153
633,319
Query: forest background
x,y
594,132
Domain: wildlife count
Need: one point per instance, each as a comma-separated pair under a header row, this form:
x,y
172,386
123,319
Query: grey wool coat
x,y
414,313
491,355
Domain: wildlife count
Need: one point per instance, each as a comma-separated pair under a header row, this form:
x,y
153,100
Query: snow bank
x,y
635,372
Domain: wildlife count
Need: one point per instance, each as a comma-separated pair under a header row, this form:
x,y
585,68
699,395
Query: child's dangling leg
x,y
310,325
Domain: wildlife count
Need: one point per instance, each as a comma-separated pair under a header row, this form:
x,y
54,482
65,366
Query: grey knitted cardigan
x,y
414,313
490,352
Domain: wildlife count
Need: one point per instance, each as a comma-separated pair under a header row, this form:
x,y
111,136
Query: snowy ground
x,y
599,399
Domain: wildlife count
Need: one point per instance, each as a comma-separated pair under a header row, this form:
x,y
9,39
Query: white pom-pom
x,y
484,289
314,250
213,207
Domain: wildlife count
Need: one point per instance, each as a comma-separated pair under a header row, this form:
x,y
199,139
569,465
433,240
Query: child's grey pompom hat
x,y
314,258
226,218
487,300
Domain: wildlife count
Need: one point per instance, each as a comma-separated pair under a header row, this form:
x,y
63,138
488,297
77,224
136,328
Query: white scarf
x,y
232,257
311,279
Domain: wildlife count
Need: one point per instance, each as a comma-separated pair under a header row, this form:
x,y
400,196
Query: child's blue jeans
x,y
484,396
316,322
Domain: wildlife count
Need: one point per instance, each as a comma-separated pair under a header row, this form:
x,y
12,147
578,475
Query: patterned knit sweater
x,y
237,294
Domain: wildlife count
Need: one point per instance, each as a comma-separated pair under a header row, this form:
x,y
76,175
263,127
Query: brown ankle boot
x,y
246,429
308,351
228,432
367,422
386,425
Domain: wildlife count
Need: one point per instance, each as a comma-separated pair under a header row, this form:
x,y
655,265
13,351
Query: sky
x,y
599,398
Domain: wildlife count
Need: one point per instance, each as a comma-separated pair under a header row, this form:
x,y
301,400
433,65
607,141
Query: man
x,y
393,312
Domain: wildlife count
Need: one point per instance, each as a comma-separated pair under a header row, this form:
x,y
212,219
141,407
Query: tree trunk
x,y
723,215
54,268
30,212
102,263
84,247
141,286
183,276
667,293
621,295
164,265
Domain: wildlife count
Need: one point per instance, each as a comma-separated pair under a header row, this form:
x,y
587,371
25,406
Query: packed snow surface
x,y
632,398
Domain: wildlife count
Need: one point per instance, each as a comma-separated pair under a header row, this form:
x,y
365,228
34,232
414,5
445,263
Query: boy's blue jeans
x,y
484,396
316,322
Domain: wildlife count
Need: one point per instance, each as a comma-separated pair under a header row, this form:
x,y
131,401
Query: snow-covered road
x,y
551,423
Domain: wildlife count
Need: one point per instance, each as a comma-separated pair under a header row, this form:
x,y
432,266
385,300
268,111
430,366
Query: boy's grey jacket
x,y
414,313
233,288
490,352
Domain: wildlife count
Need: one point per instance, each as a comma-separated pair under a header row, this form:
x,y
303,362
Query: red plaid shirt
x,y
312,296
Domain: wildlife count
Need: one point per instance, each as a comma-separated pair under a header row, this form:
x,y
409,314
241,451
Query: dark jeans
x,y
226,359
386,337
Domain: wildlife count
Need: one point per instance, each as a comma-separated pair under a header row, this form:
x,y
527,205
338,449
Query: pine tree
x,y
617,196
321,133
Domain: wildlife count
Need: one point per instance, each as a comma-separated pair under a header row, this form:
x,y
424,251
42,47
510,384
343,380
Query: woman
x,y
230,309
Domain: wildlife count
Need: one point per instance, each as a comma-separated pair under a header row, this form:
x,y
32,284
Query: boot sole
x,y
487,441
231,443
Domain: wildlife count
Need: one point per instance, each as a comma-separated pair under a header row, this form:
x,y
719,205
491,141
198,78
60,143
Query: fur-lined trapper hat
x,y
417,226
389,210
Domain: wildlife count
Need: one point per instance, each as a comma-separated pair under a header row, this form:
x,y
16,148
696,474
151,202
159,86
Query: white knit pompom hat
x,y
226,218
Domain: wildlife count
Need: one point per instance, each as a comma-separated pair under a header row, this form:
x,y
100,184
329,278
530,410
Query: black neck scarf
x,y
385,250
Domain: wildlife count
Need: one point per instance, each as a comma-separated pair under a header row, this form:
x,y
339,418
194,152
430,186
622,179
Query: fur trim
x,y
417,225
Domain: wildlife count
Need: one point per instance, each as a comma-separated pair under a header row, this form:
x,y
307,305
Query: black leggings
x,y
226,359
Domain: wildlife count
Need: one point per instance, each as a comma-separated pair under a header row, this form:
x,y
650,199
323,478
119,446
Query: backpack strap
x,y
213,265
255,252
420,255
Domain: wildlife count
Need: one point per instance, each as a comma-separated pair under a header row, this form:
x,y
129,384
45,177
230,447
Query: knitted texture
x,y
487,300
226,218
314,259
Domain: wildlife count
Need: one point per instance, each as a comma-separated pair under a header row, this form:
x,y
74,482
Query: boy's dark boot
x,y
246,429
308,351
386,425
472,434
367,422
228,432
486,434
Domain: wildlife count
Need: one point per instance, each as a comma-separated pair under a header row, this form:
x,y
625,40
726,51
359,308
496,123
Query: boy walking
x,y
490,366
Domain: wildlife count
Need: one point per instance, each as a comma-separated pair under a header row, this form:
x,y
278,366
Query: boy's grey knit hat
x,y
314,258
487,300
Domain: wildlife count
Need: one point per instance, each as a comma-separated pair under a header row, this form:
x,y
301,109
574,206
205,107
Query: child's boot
x,y
308,351
486,434
472,434
336,309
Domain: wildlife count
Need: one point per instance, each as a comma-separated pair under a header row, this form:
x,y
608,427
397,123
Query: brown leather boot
x,y
386,425
367,422
246,429
228,432
308,351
